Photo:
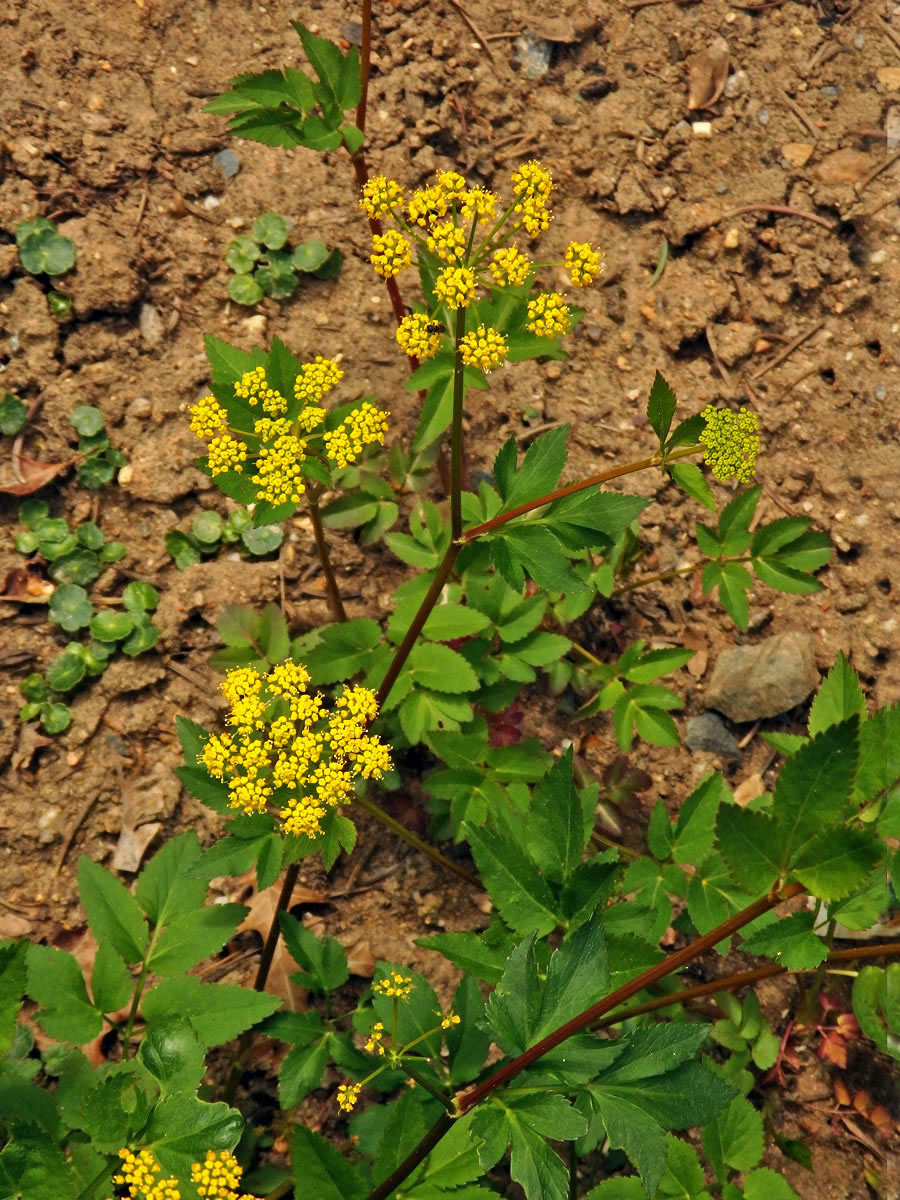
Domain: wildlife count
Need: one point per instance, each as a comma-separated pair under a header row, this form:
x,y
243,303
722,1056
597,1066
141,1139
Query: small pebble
x,y
721,189
227,162
732,239
763,116
880,392
140,407
859,41
702,129
126,474
210,201
736,85
831,90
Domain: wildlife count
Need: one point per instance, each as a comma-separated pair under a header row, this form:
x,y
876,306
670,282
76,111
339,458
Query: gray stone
x,y
708,732
750,682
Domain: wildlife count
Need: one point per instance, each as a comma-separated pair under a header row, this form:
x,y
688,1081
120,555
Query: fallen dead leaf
x,y
843,166
30,741
751,787
707,73
33,476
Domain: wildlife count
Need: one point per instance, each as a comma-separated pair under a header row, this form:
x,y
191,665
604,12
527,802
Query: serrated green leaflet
x,y
790,941
814,786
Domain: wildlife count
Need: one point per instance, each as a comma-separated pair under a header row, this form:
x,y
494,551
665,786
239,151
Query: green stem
x,y
331,588
807,1010
262,974
401,654
429,1087
441,1127
456,429
663,576
91,1187
469,1099
413,839
624,850
135,1005
642,464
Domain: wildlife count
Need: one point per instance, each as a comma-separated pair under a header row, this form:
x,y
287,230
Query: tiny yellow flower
x,y
447,242
583,263
347,1096
218,1177
254,387
451,183
532,184
310,418
359,701
483,347
139,1173
480,203
731,441
278,476
207,416
510,267
217,754
373,1045
318,378
380,196
372,757
451,1018
455,286
395,984
391,253
548,315
427,205
226,453
419,336
364,426
286,679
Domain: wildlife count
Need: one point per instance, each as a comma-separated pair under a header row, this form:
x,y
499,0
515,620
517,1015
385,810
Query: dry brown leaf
x,y
748,790
33,476
263,907
707,73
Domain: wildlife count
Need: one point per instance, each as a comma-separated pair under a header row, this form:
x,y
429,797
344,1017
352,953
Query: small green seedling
x,y
13,415
101,461
76,558
209,532
265,265
43,251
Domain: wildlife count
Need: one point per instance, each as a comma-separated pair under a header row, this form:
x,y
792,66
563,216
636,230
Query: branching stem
x,y
335,603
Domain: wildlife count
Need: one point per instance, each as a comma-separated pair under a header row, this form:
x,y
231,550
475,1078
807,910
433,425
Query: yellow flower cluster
x,y
447,241
373,1045
380,196
318,378
731,441
395,985
278,466
284,739
479,203
419,336
548,315
362,427
427,205
226,453
218,1177
391,253
455,286
347,1096
510,267
583,263
451,1018
483,347
255,388
532,185
139,1173
207,416
451,183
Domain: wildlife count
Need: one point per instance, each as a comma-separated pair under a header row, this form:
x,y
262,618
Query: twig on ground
x,y
73,830
473,28
788,350
720,366
799,113
783,209
877,170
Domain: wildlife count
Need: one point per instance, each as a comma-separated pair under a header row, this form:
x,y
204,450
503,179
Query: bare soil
x,y
101,108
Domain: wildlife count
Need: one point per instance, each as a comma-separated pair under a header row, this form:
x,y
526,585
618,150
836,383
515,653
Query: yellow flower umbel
x,y
510,267
731,443
447,242
218,1177
318,378
365,426
395,984
391,253
347,1096
286,748
226,453
255,389
484,348
548,315
373,1045
419,336
583,263
139,1174
455,287
532,184
381,196
207,417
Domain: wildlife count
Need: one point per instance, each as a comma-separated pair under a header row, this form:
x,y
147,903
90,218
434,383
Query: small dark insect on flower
x,y
434,327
